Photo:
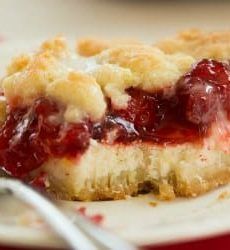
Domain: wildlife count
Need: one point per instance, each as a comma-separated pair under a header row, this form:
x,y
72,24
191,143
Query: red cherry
x,y
198,100
30,136
204,91
212,71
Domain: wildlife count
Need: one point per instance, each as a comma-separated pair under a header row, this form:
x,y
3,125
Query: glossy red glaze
x,y
32,135
205,89
148,117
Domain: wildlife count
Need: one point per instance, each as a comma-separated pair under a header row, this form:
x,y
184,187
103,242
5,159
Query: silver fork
x,y
82,234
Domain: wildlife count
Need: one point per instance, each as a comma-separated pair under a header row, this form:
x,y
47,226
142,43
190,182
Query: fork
x,y
82,234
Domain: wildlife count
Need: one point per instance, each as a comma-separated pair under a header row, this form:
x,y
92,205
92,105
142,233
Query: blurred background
x,y
148,20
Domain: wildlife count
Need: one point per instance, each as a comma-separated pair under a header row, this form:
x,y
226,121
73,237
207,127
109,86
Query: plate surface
x,y
141,220
23,24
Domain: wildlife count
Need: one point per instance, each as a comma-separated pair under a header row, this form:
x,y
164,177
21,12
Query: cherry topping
x,y
30,136
212,71
148,117
204,91
198,100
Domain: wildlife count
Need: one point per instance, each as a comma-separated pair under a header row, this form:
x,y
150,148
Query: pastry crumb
x,y
153,203
224,195
31,219
166,192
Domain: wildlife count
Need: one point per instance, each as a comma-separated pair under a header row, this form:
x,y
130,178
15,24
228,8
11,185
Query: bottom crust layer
x,y
112,172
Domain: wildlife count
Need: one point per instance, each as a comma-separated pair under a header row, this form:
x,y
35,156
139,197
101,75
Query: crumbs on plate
x,y
153,203
224,195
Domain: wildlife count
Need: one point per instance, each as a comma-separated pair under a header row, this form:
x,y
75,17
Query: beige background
x,y
26,19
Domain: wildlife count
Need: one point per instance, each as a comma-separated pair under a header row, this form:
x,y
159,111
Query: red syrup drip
x,y
30,136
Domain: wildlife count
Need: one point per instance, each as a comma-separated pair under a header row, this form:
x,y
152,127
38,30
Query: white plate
x,y
134,219
23,22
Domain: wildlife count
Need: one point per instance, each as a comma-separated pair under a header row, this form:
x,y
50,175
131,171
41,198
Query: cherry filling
x,y
148,117
30,136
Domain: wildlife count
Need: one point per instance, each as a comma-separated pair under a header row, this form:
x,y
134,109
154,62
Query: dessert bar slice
x,y
118,118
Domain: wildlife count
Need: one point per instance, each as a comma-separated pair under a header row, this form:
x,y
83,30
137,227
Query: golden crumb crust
x,y
83,83
199,44
93,46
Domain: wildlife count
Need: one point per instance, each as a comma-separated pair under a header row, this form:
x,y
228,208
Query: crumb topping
x,y
93,46
106,70
139,66
50,72
82,95
214,45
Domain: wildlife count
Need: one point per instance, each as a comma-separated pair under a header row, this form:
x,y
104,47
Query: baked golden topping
x,y
92,46
49,72
58,72
199,44
80,93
